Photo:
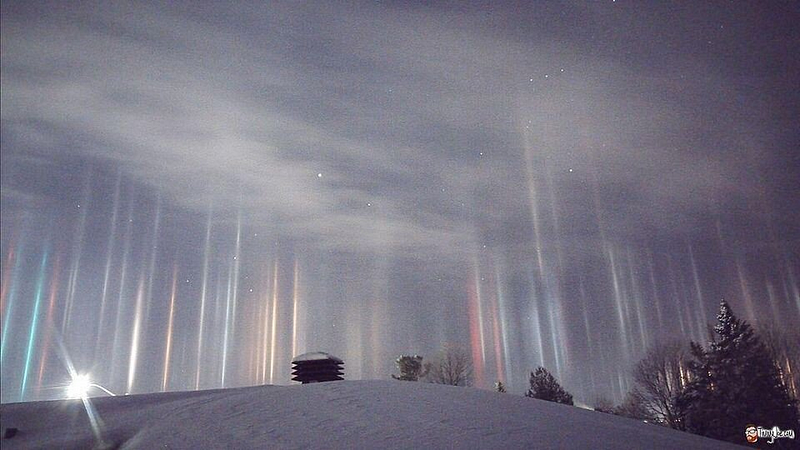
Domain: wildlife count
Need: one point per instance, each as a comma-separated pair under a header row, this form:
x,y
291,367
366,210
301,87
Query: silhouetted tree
x,y
453,366
410,367
660,378
734,383
785,349
633,407
545,387
603,404
500,387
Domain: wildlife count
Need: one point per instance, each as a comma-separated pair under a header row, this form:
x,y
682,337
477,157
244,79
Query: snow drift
x,y
344,414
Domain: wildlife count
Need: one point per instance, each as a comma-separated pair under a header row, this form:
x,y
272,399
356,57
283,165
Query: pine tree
x,y
734,383
410,367
545,387
500,387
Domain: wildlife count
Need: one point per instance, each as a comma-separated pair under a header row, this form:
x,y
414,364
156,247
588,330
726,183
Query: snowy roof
x,y
316,356
324,415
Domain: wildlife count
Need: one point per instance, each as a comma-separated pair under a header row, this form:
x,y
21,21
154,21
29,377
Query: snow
x,y
315,356
343,414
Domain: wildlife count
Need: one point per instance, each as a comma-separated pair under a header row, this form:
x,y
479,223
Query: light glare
x,y
79,387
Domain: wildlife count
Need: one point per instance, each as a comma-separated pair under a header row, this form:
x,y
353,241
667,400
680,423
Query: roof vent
x,y
317,367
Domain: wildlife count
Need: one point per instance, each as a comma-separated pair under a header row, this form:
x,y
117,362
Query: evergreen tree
x,y
410,367
545,387
500,387
734,383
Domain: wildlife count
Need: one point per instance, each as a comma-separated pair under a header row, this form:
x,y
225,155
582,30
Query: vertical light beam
x,y
107,271
476,326
136,334
77,250
168,346
9,309
265,331
34,323
151,270
7,269
49,322
295,301
203,293
274,325
701,306
116,346
237,256
226,334
503,319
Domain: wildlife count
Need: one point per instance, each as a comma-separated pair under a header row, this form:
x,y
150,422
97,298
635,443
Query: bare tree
x,y
785,349
453,366
633,408
660,376
603,404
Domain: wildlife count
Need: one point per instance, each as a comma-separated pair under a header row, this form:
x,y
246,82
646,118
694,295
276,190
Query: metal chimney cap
x,y
316,356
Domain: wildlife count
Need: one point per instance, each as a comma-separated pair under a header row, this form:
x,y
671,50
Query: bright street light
x,y
80,385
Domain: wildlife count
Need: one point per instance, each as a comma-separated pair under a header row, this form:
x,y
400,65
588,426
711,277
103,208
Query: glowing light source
x,y
79,387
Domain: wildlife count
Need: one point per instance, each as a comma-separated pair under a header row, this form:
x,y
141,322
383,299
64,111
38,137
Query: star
x,y
319,175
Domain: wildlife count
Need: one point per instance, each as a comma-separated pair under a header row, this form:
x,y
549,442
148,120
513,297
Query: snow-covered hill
x,y
344,414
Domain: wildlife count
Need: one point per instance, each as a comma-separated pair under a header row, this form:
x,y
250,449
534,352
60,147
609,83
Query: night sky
x,y
194,193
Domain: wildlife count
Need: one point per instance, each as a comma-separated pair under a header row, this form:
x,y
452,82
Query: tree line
x,y
453,366
741,378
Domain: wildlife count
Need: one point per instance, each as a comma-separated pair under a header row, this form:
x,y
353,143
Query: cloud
x,y
417,119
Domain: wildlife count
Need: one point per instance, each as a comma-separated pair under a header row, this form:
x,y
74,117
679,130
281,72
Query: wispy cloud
x,y
416,119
